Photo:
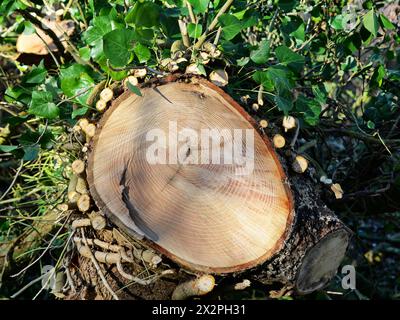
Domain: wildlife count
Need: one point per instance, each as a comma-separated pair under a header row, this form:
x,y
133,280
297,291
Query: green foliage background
x,y
334,65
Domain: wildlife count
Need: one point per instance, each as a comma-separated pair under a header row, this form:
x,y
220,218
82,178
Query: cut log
x,y
210,216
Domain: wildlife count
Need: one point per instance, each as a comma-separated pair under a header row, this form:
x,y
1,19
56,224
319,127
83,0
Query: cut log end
x,y
83,203
78,166
196,287
321,262
204,216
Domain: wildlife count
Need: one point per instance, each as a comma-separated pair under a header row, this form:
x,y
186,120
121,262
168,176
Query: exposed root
x,y
99,271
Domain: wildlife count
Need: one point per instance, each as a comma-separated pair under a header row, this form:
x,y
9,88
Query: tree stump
x,y
203,210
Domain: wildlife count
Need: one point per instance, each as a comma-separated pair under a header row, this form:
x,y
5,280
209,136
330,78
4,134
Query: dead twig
x,y
96,265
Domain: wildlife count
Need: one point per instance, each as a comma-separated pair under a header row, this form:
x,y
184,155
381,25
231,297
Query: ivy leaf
x,y
309,108
84,53
117,45
261,77
370,22
31,152
144,14
37,75
194,30
261,54
281,77
5,148
386,23
287,5
200,6
231,26
378,76
42,105
337,22
142,52
101,26
134,89
79,112
284,101
289,58
76,82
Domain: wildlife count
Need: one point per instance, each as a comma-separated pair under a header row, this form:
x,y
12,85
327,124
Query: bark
x,y
314,221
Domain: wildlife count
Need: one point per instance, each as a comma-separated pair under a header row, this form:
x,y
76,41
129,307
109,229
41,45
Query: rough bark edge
x,y
311,215
193,267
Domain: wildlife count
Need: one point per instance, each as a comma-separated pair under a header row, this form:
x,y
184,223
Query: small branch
x,y
184,32
271,25
94,261
296,135
191,14
45,250
212,25
217,35
14,180
361,136
136,67
48,49
141,281
5,107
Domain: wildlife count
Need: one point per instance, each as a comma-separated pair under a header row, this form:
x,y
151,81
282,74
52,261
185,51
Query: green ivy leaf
x,y
144,14
378,76
309,108
261,54
31,152
84,53
281,77
76,82
101,26
79,112
261,77
42,105
289,58
134,89
284,101
142,52
386,23
117,45
287,5
337,22
194,30
370,22
199,6
37,75
231,26
5,148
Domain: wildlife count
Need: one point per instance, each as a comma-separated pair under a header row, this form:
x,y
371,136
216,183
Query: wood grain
x,y
203,216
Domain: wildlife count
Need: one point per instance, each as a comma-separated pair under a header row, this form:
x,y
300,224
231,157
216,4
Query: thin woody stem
x,y
212,25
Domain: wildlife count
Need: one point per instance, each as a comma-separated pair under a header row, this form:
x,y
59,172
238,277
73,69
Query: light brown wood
x,y
195,287
83,203
78,167
39,42
300,164
279,141
203,216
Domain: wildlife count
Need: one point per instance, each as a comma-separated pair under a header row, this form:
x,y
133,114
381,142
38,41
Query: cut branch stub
x,y
206,216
